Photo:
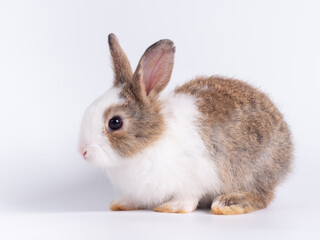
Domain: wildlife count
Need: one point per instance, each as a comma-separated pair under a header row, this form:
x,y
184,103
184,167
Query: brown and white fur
x,y
212,141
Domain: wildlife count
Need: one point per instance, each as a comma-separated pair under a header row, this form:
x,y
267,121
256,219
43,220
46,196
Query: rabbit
x,y
214,141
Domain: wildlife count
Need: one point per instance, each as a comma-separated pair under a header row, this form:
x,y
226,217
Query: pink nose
x,y
84,154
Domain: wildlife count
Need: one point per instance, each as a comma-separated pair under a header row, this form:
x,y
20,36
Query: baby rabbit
x,y
212,141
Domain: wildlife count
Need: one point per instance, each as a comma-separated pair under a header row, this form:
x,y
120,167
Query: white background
x,y
54,62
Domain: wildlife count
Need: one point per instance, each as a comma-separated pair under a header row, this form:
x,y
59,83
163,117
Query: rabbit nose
x,y
84,154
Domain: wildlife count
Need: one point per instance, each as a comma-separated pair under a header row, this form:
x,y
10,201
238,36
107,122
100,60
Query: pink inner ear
x,y
154,69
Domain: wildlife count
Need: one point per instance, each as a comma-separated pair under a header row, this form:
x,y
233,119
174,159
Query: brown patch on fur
x,y
168,209
245,134
142,124
121,65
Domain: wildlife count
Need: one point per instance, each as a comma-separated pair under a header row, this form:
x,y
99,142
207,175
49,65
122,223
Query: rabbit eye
x,y
115,123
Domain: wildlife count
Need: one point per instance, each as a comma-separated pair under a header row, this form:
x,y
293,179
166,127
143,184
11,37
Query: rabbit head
x,y
127,118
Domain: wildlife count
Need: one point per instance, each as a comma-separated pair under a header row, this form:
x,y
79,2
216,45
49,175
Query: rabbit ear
x,y
154,69
121,65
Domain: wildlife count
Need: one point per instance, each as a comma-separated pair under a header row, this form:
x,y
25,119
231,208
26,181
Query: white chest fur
x,y
177,165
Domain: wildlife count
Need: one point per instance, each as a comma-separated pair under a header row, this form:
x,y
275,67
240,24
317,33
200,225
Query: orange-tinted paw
x,y
230,210
117,206
177,206
168,209
235,203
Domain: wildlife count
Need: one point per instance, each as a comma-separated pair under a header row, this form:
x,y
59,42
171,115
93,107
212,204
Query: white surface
x,y
276,224
54,62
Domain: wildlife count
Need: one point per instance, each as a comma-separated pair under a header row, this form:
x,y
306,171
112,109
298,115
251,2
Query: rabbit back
x,y
244,132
